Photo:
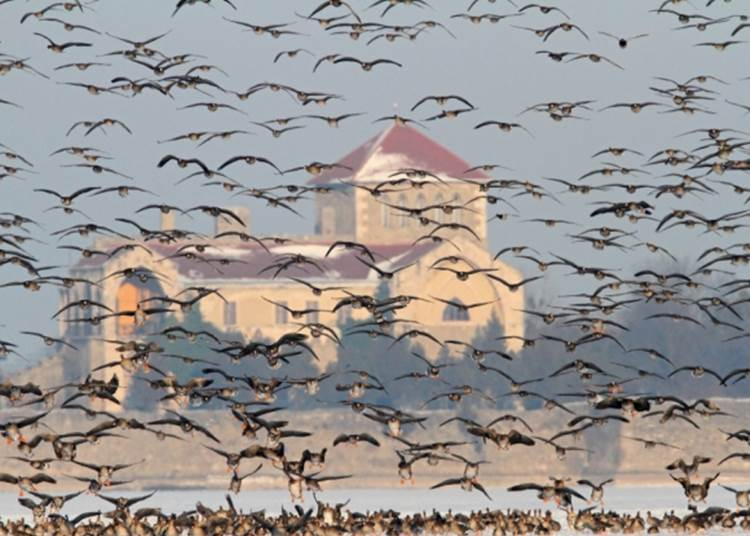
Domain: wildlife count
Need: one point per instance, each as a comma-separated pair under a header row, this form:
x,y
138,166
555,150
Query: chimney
x,y
167,220
225,224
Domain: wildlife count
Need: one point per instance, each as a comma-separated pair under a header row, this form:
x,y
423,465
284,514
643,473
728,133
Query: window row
x,y
128,297
391,218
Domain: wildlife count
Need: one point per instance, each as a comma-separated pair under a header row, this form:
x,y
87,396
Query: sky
x,y
494,66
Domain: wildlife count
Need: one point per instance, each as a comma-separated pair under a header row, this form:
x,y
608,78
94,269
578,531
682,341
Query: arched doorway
x,y
131,293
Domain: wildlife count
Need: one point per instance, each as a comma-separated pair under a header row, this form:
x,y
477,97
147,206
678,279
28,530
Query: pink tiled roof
x,y
401,146
340,264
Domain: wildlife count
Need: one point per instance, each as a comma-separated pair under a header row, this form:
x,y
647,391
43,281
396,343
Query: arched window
x,y
456,215
282,315
230,313
451,313
421,202
439,214
80,328
385,213
314,316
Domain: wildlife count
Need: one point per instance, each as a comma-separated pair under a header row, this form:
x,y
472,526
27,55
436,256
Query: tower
x,y
424,174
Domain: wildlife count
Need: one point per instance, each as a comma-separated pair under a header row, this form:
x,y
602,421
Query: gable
x,y
398,147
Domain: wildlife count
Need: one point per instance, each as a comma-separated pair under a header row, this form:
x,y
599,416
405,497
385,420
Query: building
x,y
348,210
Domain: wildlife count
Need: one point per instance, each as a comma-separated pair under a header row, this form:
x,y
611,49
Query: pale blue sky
x,y
492,65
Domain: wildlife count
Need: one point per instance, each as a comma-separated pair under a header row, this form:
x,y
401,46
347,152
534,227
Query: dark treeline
x,y
636,352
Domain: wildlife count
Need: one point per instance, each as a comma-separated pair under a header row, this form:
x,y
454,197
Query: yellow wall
x,y
254,314
376,223
256,317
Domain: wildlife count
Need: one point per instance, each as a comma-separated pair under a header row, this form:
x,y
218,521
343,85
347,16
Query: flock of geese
x,y
709,164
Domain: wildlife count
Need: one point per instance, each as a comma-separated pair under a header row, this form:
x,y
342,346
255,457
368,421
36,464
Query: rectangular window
x,y
328,221
402,202
230,313
313,318
282,315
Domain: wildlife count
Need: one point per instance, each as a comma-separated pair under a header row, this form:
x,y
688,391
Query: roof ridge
x,y
411,146
377,142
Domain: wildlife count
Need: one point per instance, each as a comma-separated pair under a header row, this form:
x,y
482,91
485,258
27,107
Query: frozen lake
x,y
657,499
